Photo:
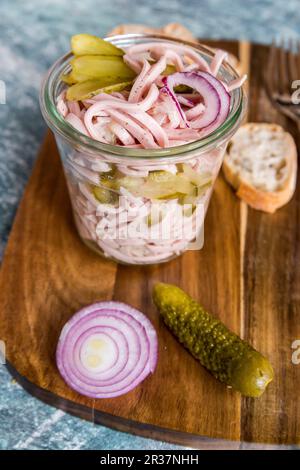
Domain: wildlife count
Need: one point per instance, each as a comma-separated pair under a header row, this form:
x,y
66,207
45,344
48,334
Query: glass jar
x,y
139,206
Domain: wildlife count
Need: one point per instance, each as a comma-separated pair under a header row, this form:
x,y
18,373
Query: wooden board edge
x,y
145,430
148,431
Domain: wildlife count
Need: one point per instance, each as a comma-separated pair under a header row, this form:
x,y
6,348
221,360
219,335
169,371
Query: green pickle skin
x,y
230,359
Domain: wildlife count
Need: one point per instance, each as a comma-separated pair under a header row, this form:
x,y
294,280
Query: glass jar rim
x,y
58,124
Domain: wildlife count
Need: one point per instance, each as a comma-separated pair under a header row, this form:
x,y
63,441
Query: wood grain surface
x,y
248,274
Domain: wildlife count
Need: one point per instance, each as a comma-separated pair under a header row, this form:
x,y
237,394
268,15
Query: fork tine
x,y
281,68
283,85
292,63
298,58
269,71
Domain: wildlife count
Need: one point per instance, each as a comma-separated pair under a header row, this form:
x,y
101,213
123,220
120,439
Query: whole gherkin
x,y
229,358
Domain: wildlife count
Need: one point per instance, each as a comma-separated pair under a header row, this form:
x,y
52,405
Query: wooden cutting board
x,y
248,273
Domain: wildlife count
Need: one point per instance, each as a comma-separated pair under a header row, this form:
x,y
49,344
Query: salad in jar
x,y
142,124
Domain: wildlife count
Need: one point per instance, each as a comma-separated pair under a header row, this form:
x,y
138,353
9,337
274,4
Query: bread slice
x,y
261,165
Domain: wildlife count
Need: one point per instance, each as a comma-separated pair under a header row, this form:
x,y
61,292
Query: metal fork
x,y
281,75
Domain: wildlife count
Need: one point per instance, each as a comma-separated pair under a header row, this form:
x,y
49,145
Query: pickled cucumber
x,y
199,179
161,176
102,195
94,66
131,183
230,359
68,78
90,88
169,70
105,192
186,186
163,185
75,77
87,44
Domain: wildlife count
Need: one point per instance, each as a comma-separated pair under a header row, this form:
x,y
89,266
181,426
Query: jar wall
x,y
139,206
137,213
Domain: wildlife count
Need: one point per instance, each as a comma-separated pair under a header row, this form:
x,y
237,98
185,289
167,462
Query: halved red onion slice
x,y
216,98
224,101
106,349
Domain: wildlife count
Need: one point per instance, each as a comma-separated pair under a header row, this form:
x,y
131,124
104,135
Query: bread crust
x,y
267,201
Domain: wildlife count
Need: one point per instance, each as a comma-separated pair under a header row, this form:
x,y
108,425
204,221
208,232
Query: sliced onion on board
x,y
216,98
106,350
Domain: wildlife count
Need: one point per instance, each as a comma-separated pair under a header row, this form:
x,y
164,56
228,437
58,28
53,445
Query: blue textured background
x,y
33,33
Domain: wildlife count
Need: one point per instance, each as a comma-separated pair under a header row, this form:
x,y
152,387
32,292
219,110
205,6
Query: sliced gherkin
x,y
189,202
198,179
87,44
229,358
68,78
167,196
132,184
108,177
156,215
74,77
105,195
159,185
93,66
102,195
160,176
169,69
183,89
165,185
88,89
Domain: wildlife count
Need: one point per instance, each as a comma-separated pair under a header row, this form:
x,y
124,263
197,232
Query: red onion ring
x,y
224,101
116,368
216,98
106,349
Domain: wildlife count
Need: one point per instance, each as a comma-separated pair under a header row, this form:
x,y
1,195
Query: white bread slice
x,y
261,165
